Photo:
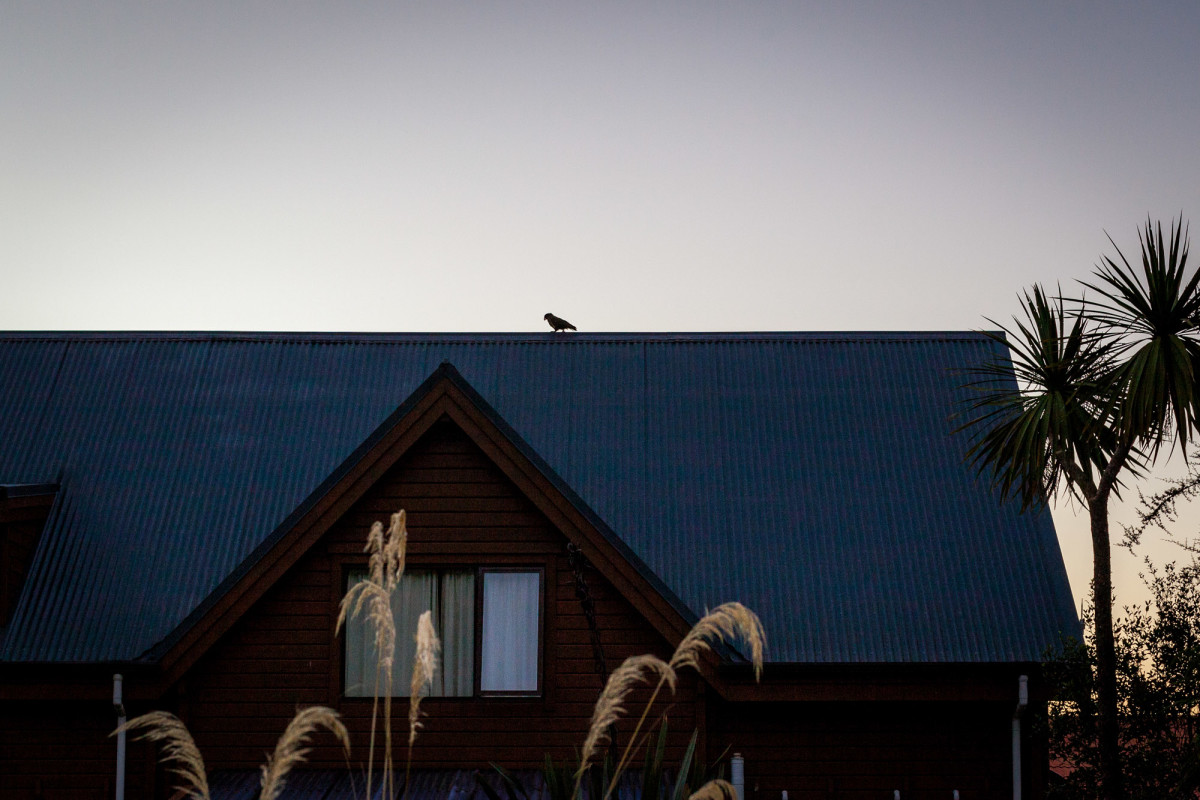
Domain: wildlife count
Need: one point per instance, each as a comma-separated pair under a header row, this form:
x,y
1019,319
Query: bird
x,y
558,323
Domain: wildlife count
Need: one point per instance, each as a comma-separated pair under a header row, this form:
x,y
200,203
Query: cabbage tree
x,y
1102,387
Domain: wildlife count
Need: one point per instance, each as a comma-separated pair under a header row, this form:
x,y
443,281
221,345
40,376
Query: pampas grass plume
x,y
178,748
424,664
292,749
384,570
727,622
610,706
375,548
716,789
395,549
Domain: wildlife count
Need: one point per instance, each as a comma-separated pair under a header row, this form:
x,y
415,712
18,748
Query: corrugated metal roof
x,y
813,477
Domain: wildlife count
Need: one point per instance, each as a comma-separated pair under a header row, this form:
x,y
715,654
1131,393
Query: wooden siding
x,y
21,523
61,750
857,751
462,510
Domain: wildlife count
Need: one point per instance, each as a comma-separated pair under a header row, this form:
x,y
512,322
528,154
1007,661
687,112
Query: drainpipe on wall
x,y
119,708
1022,703
737,774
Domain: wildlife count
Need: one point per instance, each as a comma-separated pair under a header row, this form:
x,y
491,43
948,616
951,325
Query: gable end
x,y
445,396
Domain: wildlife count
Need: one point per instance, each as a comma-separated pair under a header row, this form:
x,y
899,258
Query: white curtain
x,y
360,652
458,633
509,652
416,593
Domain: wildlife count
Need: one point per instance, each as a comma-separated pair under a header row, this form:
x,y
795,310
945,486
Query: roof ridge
x,y
526,337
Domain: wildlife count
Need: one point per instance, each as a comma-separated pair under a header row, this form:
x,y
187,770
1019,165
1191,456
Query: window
x,y
507,604
508,657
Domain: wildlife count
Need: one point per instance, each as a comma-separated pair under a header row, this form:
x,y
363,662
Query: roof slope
x,y
813,477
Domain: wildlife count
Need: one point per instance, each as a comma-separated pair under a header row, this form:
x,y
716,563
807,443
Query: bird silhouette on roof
x,y
558,323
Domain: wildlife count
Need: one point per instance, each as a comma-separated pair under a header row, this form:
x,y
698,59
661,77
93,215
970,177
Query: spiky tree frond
x,y
1048,429
1151,315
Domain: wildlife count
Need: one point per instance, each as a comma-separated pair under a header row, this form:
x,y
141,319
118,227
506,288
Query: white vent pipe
x,y
737,775
119,708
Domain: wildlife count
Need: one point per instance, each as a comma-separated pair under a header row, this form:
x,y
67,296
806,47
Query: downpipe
x,y
118,700
1018,712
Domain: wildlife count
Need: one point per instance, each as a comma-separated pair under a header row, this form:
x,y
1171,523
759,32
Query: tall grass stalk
x,y
424,664
291,749
611,705
178,748
729,622
385,567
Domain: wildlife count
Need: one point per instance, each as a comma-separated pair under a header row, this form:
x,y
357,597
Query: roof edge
x,y
10,490
528,337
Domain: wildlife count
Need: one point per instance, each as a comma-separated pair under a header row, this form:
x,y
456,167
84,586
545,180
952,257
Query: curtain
x,y
416,593
451,598
509,650
359,665
458,634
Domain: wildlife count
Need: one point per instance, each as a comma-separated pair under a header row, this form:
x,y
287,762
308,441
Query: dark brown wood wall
x,y
21,523
462,510
61,750
867,750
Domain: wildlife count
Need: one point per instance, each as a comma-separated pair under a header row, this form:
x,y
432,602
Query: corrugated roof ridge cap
x,y
547,337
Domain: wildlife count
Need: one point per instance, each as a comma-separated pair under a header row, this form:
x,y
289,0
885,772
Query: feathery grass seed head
x,y
610,705
424,664
715,789
178,748
383,622
379,611
727,622
385,567
375,548
394,550
292,749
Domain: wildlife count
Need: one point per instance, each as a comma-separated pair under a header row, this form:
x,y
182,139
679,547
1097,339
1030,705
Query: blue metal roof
x,y
812,476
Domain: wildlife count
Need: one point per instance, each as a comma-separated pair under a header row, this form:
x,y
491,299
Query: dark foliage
x,y
1158,678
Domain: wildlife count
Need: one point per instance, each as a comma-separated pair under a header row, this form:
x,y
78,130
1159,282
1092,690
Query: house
x,y
186,510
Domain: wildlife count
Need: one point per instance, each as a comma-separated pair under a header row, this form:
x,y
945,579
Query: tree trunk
x,y
1112,785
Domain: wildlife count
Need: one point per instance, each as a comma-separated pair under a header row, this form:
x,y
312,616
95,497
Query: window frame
x,y
345,567
541,629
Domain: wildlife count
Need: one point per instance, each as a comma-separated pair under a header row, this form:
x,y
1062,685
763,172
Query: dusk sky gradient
x,y
629,166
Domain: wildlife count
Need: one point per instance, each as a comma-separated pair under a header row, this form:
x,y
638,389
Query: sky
x,y
700,166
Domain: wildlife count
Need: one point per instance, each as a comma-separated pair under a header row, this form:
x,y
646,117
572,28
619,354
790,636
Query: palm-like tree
x,y
1101,388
